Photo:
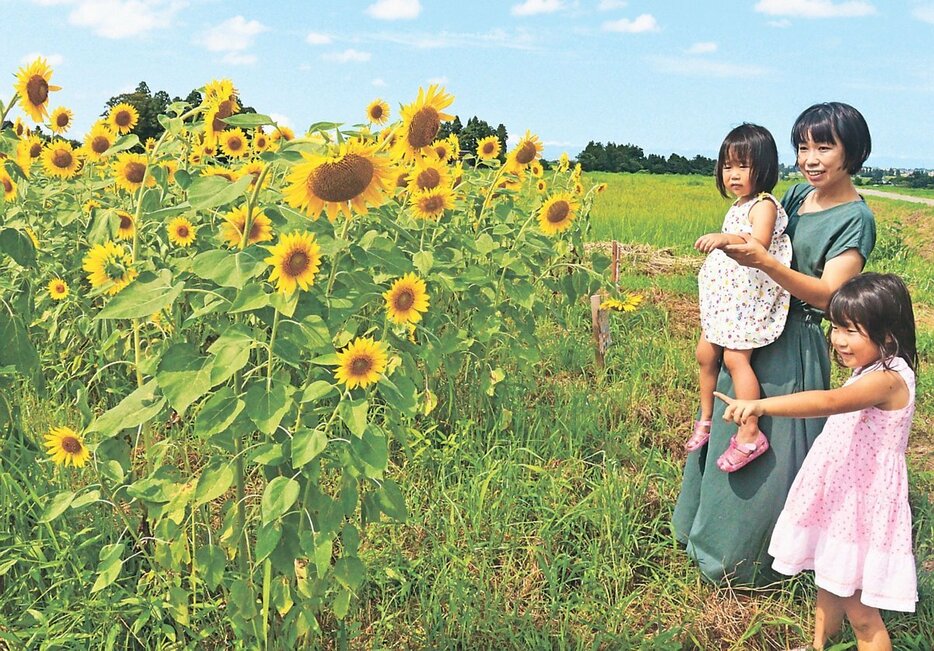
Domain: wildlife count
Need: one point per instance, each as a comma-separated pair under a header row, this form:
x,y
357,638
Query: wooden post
x,y
601,328
615,267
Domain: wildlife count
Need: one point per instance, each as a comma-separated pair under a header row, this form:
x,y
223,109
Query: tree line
x,y
597,157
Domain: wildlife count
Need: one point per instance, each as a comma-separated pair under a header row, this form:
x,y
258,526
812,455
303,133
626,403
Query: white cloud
x,y
533,7
924,13
518,40
239,59
53,60
123,18
702,48
694,67
815,8
379,83
314,38
781,23
233,35
643,23
440,81
394,9
347,56
610,5
281,120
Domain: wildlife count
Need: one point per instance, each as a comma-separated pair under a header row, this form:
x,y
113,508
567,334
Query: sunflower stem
x,y
489,195
6,109
267,588
272,341
251,204
337,258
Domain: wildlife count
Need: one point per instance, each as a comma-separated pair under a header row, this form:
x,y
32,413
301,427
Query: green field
x,y
542,526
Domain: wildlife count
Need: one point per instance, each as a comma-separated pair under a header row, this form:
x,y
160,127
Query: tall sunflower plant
x,y
258,321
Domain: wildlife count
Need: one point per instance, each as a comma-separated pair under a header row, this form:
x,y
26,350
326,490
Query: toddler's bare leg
x,y
746,385
871,634
828,617
708,361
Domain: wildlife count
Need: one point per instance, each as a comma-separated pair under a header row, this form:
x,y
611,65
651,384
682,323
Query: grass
x,y
927,193
551,532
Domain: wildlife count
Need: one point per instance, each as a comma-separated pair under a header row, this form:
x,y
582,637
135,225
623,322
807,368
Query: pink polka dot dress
x,y
740,307
847,515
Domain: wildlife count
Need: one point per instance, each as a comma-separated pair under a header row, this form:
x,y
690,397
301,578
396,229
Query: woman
x,y
726,519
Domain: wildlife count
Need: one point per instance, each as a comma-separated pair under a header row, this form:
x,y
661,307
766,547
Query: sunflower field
x,y
233,374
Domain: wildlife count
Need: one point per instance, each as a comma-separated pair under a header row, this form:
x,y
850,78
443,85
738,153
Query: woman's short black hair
x,y
835,122
754,146
880,305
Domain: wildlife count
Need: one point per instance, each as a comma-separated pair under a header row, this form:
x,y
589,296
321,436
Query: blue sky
x,y
669,76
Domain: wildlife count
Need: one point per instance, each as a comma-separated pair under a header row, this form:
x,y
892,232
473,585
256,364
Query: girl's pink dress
x,y
847,515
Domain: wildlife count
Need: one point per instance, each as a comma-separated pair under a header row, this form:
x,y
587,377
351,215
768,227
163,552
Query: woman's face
x,y
822,163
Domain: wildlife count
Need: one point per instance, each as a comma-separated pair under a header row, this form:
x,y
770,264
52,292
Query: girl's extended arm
x,y
712,241
881,388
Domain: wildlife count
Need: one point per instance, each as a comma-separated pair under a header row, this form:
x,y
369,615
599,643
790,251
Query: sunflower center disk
x,y
376,113
424,127
405,300
7,185
181,232
37,89
62,158
61,120
526,154
361,366
341,180
100,144
123,119
235,144
71,445
429,179
125,222
224,110
558,212
489,148
297,263
433,204
135,172
35,150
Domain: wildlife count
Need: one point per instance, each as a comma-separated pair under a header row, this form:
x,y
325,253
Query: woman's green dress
x,y
726,519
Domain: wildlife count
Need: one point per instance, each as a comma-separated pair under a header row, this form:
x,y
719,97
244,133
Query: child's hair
x,y
880,305
835,122
754,146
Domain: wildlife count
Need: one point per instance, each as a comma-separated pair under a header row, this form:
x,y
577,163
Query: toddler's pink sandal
x,y
699,437
739,454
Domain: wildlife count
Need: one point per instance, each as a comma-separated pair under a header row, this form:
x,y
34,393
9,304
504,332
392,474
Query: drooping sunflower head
x,y
564,162
126,225
346,182
221,171
32,85
282,134
361,363
578,188
66,447
7,185
488,148
129,170
214,117
527,151
429,173
233,143
60,120
406,300
421,121
99,139
181,232
91,204
109,267
431,204
600,188
295,260
557,213
58,289
377,112
254,169
60,159
219,90
235,223
123,117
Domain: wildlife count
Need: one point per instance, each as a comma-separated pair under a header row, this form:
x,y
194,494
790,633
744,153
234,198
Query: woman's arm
x,y
811,290
881,388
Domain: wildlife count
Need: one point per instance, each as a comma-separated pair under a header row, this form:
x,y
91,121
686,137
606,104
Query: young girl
x,y
847,515
741,308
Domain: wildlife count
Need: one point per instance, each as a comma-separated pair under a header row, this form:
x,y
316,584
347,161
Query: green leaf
x,y
251,297
183,375
214,481
136,409
267,537
206,192
15,347
267,408
218,413
401,394
485,244
391,502
324,548
248,120
210,561
341,604
372,450
423,261
349,572
317,390
145,296
17,245
109,567
122,144
279,496
56,506
86,498
324,126
229,269
164,213
353,414
306,445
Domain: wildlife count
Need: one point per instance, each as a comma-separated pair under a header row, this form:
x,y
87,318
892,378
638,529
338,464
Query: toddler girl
x,y
847,515
741,308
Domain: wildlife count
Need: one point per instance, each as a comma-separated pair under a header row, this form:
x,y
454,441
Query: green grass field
x,y
546,527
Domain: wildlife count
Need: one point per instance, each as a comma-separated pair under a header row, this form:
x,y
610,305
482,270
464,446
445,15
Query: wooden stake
x,y
601,328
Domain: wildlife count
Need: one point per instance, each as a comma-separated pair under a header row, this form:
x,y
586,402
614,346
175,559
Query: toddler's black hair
x,y
880,305
754,146
835,122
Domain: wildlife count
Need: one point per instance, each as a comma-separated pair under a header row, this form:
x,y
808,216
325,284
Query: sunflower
x,y
431,204
195,158
221,171
541,186
295,260
361,363
629,304
99,139
233,143
66,446
255,169
59,159
20,128
234,223
428,174
7,185
563,162
346,182
282,133
261,141
447,149
377,112
32,85
33,237
150,144
488,148
123,117
58,289
557,213
536,169
208,149
170,166
181,232
109,266
129,170
600,188
91,204
528,149
578,188
126,225
219,90
60,120
214,117
406,300
421,121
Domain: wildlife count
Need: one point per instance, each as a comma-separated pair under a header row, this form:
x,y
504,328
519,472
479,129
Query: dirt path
x,y
892,195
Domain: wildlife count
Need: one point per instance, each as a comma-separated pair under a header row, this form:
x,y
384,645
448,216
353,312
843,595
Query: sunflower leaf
x,y
136,409
218,413
391,501
122,144
207,192
279,496
267,408
214,481
56,506
109,567
248,120
18,246
353,414
229,269
149,294
306,445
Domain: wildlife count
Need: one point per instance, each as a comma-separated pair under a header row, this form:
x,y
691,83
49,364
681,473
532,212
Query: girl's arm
x,y
712,241
762,217
882,388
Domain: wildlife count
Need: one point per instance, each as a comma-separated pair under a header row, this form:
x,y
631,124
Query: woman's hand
x,y
739,410
750,254
711,242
